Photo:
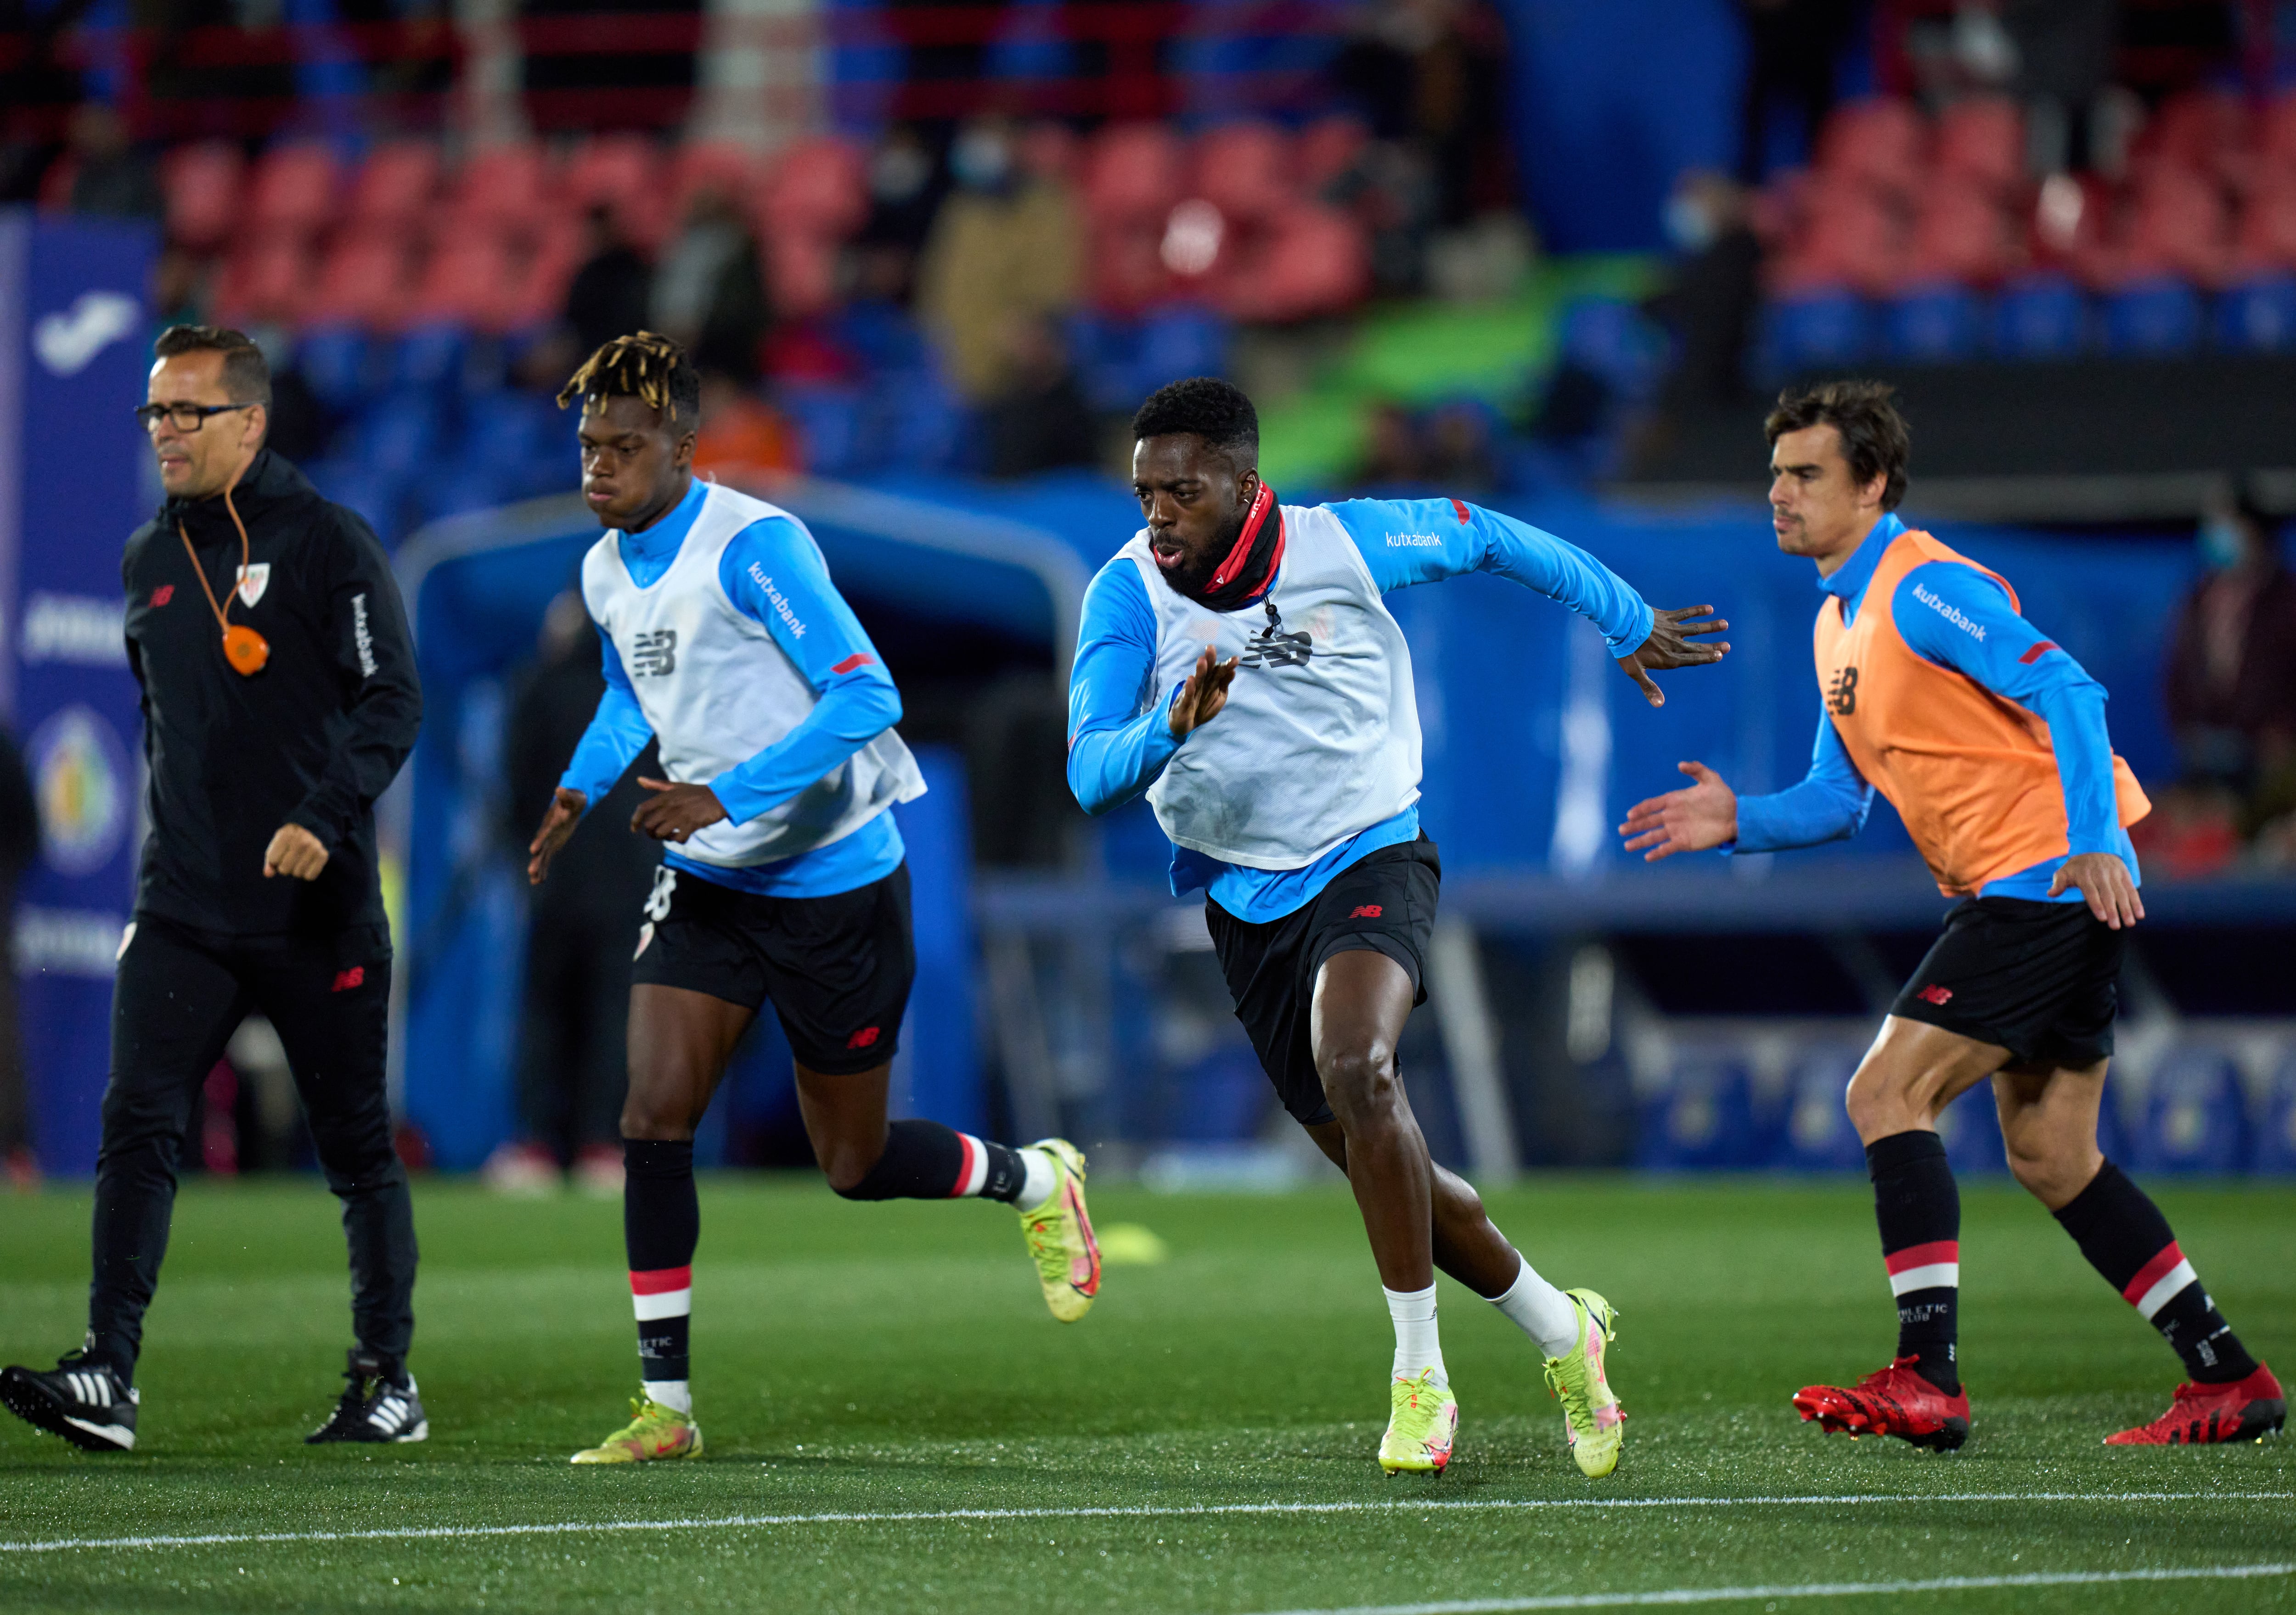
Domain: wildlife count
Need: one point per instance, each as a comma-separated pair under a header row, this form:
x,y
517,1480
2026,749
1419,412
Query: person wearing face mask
x,y
1007,246
1710,297
2231,686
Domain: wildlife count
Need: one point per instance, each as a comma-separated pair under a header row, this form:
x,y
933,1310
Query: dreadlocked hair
x,y
652,368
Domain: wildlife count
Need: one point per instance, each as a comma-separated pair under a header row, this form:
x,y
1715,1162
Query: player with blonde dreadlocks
x,y
783,878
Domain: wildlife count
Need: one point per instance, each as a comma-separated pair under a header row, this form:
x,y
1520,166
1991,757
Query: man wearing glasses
x,y
279,699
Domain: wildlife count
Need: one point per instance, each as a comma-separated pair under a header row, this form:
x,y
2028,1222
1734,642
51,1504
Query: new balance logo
x,y
1842,694
1934,994
654,655
1369,910
1272,647
351,980
864,1039
161,596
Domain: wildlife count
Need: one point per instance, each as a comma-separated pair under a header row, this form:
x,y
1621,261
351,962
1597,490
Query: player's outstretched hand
x,y
2105,881
1698,818
296,852
675,811
1201,698
566,810
1668,646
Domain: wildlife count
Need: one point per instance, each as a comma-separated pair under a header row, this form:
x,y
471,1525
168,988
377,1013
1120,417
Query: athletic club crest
x,y
253,580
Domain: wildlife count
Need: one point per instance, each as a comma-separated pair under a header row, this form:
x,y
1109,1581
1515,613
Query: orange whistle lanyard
x,y
243,647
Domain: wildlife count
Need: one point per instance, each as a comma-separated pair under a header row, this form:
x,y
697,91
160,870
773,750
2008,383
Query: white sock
x,y
671,1393
1540,1311
1417,1346
1042,1177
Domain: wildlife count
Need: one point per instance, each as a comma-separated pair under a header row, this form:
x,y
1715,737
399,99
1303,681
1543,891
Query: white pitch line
x,y
1822,1589
1120,1512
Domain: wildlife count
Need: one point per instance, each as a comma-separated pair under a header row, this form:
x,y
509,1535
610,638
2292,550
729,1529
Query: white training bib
x,y
1319,740
717,690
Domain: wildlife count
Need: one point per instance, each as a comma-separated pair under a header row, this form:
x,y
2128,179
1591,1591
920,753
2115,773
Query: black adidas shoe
x,y
84,1402
376,1407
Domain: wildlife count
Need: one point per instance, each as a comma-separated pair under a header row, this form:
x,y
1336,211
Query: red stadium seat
x,y
1981,140
1051,150
1124,269
2204,131
296,189
395,187
1247,171
730,169
2276,136
1310,260
2073,228
2177,225
538,292
509,186
364,281
267,279
1850,236
1328,148
817,188
2268,227
613,169
1133,175
1960,234
468,281
201,184
801,270
1880,142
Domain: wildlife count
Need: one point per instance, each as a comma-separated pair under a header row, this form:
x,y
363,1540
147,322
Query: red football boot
x,y
2242,1411
1895,1402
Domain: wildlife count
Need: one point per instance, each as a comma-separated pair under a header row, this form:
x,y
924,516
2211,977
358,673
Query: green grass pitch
x,y
894,1366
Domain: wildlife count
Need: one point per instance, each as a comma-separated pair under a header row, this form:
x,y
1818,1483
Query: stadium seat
x,y
1980,139
467,281
816,188
2256,315
803,271
1934,325
265,280
430,357
2267,237
1124,269
2205,131
1612,339
1816,329
1133,174
1310,260
1703,1119
395,187
623,173
508,186
1327,149
2043,315
365,279
1971,1127
336,363
537,294
2152,319
2177,225
1051,150
1179,342
1850,236
725,166
1817,1135
202,184
1247,170
2274,1147
377,496
828,418
295,190
1961,233
2195,1115
398,433
1880,142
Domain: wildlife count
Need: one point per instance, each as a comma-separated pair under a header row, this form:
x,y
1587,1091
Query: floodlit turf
x,y
896,1360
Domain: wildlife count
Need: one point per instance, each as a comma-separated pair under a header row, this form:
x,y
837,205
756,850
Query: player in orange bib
x,y
1990,742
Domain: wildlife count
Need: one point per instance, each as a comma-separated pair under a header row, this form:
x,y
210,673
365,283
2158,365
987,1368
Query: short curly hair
x,y
1214,410
1874,437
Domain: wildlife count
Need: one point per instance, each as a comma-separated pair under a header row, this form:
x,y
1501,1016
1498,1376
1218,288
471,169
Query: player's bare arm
x,y
1669,646
2102,878
674,812
565,812
1697,818
1204,694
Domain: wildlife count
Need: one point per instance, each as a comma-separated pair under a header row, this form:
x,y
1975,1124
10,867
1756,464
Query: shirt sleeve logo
x,y
1842,694
654,655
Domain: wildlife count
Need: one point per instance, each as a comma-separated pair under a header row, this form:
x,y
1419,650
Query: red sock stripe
x,y
964,1164
1923,1256
662,1280
2152,1273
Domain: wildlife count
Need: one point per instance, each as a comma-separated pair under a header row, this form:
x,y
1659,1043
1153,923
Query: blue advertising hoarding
x,y
75,329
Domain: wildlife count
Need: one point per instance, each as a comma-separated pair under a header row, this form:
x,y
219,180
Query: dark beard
x,y
1192,578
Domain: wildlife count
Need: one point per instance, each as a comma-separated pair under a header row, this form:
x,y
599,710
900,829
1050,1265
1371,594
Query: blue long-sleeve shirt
x,y
1958,618
1117,749
855,701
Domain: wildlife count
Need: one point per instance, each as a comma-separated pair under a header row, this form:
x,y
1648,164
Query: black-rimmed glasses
x,y
183,417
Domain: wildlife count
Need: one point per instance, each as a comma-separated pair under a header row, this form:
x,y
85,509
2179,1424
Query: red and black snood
x,y
1243,575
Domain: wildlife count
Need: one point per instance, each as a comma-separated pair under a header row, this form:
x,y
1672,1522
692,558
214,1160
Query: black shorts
x,y
1384,902
2041,979
838,969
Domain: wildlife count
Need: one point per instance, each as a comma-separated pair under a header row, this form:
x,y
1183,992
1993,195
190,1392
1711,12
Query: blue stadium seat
x,y
1935,325
883,335
2040,316
1972,1129
1613,339
828,417
430,357
2195,1115
2274,1145
1177,342
916,421
1818,1137
335,363
2153,319
1704,1119
2256,315
378,497
398,433
1817,329
522,440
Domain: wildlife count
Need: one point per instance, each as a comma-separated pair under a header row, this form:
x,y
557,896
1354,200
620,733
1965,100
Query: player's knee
x,y
1361,1084
2052,1170
1879,1101
647,1114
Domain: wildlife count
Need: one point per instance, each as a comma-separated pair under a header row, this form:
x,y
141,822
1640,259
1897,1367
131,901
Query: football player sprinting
x,y
783,880
1237,662
1990,742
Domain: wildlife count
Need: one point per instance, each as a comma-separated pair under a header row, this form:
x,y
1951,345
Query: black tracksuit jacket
x,y
311,740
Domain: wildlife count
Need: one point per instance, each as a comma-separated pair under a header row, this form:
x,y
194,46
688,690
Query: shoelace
x,y
1414,1420
1045,1246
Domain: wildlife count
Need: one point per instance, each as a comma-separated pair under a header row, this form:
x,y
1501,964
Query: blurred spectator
x,y
179,288
2063,52
1790,47
2232,663
582,925
710,290
1040,420
907,183
1461,448
1390,188
19,844
608,296
1710,299
1006,243
1432,73
110,176
1392,453
741,432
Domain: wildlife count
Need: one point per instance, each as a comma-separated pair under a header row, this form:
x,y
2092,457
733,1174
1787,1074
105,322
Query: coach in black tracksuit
x,y
257,891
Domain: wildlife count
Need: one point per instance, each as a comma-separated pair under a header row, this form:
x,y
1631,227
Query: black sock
x,y
2124,1237
925,1161
1918,1209
661,1223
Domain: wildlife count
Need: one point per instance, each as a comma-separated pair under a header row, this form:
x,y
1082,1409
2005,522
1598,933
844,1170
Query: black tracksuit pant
x,y
179,994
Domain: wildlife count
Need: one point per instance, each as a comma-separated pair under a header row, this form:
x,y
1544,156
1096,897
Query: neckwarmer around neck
x,y
1244,575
